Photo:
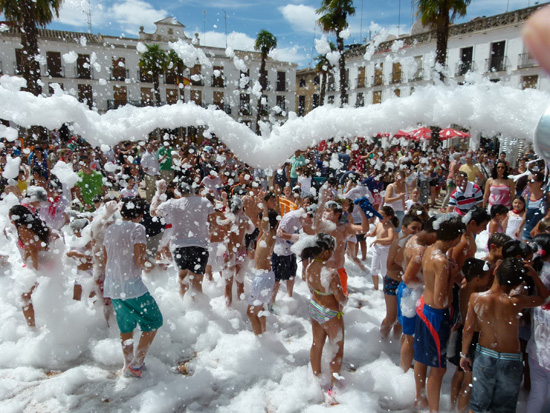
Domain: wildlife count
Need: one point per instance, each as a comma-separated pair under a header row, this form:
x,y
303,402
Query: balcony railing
x,y
464,67
361,81
245,111
145,77
281,87
331,87
116,103
197,82
397,77
497,64
83,73
526,60
418,75
119,74
378,80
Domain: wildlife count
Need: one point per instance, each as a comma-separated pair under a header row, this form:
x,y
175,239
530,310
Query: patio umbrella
x,y
383,135
402,134
421,133
450,133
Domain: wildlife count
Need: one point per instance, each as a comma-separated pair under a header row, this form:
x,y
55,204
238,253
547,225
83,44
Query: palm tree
x,y
265,42
323,67
29,14
438,14
176,67
333,18
154,61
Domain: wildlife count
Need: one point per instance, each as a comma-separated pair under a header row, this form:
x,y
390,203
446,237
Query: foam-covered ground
x,y
70,362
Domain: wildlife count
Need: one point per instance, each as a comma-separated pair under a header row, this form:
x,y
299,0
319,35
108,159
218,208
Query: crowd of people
x,y
174,202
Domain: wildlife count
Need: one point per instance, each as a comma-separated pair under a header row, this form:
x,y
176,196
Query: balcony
x,y
281,87
377,80
83,73
526,60
218,81
497,64
244,110
397,77
331,86
361,81
119,74
145,77
464,67
199,81
418,75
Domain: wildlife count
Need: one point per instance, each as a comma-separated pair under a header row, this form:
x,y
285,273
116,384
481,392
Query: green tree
x,y
265,42
154,61
29,15
334,18
323,67
438,14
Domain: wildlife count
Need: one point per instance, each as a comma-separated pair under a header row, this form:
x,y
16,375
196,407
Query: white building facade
x,y
104,72
491,46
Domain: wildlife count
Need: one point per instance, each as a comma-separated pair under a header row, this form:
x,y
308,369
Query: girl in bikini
x,y
325,306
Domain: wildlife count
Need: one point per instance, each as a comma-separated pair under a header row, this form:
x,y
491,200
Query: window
x,y
315,101
377,97
360,100
147,98
196,96
281,81
218,100
302,82
85,95
119,69
529,82
497,59
301,105
316,81
217,81
51,89
83,69
418,74
120,97
378,74
171,96
466,61
331,99
281,102
396,73
244,104
397,92
361,77
53,60
195,74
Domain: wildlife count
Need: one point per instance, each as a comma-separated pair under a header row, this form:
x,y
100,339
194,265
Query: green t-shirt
x,y
90,186
296,163
167,164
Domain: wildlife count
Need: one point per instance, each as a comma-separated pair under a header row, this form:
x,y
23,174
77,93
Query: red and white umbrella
x,y
402,134
450,133
421,133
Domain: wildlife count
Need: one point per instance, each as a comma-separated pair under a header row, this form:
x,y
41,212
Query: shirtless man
x,y
411,225
498,366
433,321
409,291
237,225
326,220
264,281
476,221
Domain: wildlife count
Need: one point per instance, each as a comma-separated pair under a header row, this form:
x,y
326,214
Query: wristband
x,y
463,356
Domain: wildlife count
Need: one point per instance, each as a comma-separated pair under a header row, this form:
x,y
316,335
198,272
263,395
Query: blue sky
x,y
291,21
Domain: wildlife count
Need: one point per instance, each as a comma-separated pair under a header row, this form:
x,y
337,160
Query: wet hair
x,y
235,204
538,176
335,206
38,170
541,247
23,217
474,268
132,207
409,219
78,224
311,198
323,242
388,210
272,217
498,210
498,239
478,215
451,228
429,225
494,173
463,174
184,187
269,195
419,211
511,272
516,248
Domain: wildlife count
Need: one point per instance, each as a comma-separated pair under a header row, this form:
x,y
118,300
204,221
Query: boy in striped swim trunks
x,y
498,367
